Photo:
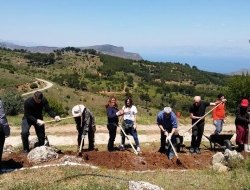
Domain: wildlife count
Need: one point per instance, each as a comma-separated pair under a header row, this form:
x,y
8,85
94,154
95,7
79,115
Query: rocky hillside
x,y
104,49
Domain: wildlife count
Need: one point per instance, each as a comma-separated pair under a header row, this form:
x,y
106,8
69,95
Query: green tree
x,y
238,88
12,102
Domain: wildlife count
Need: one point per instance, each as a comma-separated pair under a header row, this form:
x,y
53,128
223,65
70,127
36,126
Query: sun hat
x,y
167,110
77,110
244,102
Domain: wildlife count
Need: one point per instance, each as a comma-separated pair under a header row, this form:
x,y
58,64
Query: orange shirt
x,y
219,112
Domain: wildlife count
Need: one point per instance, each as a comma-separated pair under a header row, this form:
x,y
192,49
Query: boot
x,y
246,148
25,145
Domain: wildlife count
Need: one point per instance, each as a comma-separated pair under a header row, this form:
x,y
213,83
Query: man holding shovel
x,y
85,124
167,123
33,115
197,114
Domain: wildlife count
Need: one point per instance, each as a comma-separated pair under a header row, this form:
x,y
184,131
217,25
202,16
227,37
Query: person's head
x,y
167,111
77,112
128,102
197,100
244,103
112,102
38,96
220,96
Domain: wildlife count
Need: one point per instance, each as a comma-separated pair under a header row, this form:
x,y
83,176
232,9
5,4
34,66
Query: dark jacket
x,y
242,116
34,111
4,126
112,117
88,120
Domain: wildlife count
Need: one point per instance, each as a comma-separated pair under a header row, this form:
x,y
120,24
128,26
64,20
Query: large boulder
x,y
42,154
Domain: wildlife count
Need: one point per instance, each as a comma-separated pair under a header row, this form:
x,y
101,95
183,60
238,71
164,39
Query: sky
x,y
158,30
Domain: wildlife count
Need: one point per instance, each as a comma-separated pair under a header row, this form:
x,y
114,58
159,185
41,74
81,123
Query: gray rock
x,y
220,167
142,185
217,158
42,154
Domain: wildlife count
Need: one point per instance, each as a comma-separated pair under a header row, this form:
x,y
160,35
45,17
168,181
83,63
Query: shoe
x,y
162,150
121,147
25,152
112,150
197,150
138,149
191,150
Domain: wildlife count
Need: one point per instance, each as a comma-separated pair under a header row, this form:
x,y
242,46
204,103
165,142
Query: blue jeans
x,y
163,144
218,126
131,131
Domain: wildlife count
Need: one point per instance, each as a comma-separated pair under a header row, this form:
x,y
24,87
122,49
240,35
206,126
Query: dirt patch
x,y
123,160
149,159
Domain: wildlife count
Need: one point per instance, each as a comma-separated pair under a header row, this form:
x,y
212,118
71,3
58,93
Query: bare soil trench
x,y
148,159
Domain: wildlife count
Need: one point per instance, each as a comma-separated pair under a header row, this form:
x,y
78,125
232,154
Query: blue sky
x,y
214,28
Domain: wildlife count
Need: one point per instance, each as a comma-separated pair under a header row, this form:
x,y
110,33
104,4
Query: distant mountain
x,y
104,49
240,72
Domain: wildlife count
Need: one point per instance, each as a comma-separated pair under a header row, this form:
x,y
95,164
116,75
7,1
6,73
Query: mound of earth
x,y
123,160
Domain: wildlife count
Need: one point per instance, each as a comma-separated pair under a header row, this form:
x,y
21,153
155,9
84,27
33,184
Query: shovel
x,y
62,119
174,149
182,132
80,148
135,151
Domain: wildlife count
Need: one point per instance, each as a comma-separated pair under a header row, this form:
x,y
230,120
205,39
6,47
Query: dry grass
x,y
86,177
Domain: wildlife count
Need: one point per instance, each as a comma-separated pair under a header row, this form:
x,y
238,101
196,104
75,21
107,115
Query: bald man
x,y
196,112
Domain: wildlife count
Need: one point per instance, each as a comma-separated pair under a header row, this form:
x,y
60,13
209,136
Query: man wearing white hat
x,y
167,122
85,124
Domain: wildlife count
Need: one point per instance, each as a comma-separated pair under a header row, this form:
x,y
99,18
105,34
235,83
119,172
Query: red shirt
x,y
219,112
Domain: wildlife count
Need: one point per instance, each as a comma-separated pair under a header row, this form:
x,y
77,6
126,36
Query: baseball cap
x,y
244,102
167,110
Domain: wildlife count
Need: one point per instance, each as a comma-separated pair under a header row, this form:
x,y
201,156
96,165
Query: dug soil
x,y
148,159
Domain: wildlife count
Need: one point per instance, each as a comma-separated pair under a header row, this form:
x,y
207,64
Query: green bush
x,y
56,106
33,85
12,102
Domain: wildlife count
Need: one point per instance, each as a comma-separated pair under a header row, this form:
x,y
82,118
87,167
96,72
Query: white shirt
x,y
129,113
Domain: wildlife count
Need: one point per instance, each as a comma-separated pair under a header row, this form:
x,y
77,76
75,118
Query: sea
x,y
223,65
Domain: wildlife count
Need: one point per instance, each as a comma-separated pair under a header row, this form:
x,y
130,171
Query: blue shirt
x,y
167,123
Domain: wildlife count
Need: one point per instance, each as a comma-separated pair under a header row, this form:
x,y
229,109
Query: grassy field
x,y
86,177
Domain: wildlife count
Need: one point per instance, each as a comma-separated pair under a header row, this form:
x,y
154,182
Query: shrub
x,y
56,106
12,102
33,85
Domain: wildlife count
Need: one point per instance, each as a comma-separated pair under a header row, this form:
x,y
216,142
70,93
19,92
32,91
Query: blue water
x,y
212,64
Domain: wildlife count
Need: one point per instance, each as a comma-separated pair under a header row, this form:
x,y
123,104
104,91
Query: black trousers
x,y
197,132
2,140
40,133
112,134
91,137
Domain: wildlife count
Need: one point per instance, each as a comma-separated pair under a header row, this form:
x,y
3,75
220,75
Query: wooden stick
x,y
182,133
174,149
62,119
135,151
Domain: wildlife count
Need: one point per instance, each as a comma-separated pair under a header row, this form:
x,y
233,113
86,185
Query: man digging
x,y
85,124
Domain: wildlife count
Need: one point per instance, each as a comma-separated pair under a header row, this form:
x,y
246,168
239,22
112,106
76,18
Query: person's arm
x,y
28,111
3,121
174,123
87,120
159,123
